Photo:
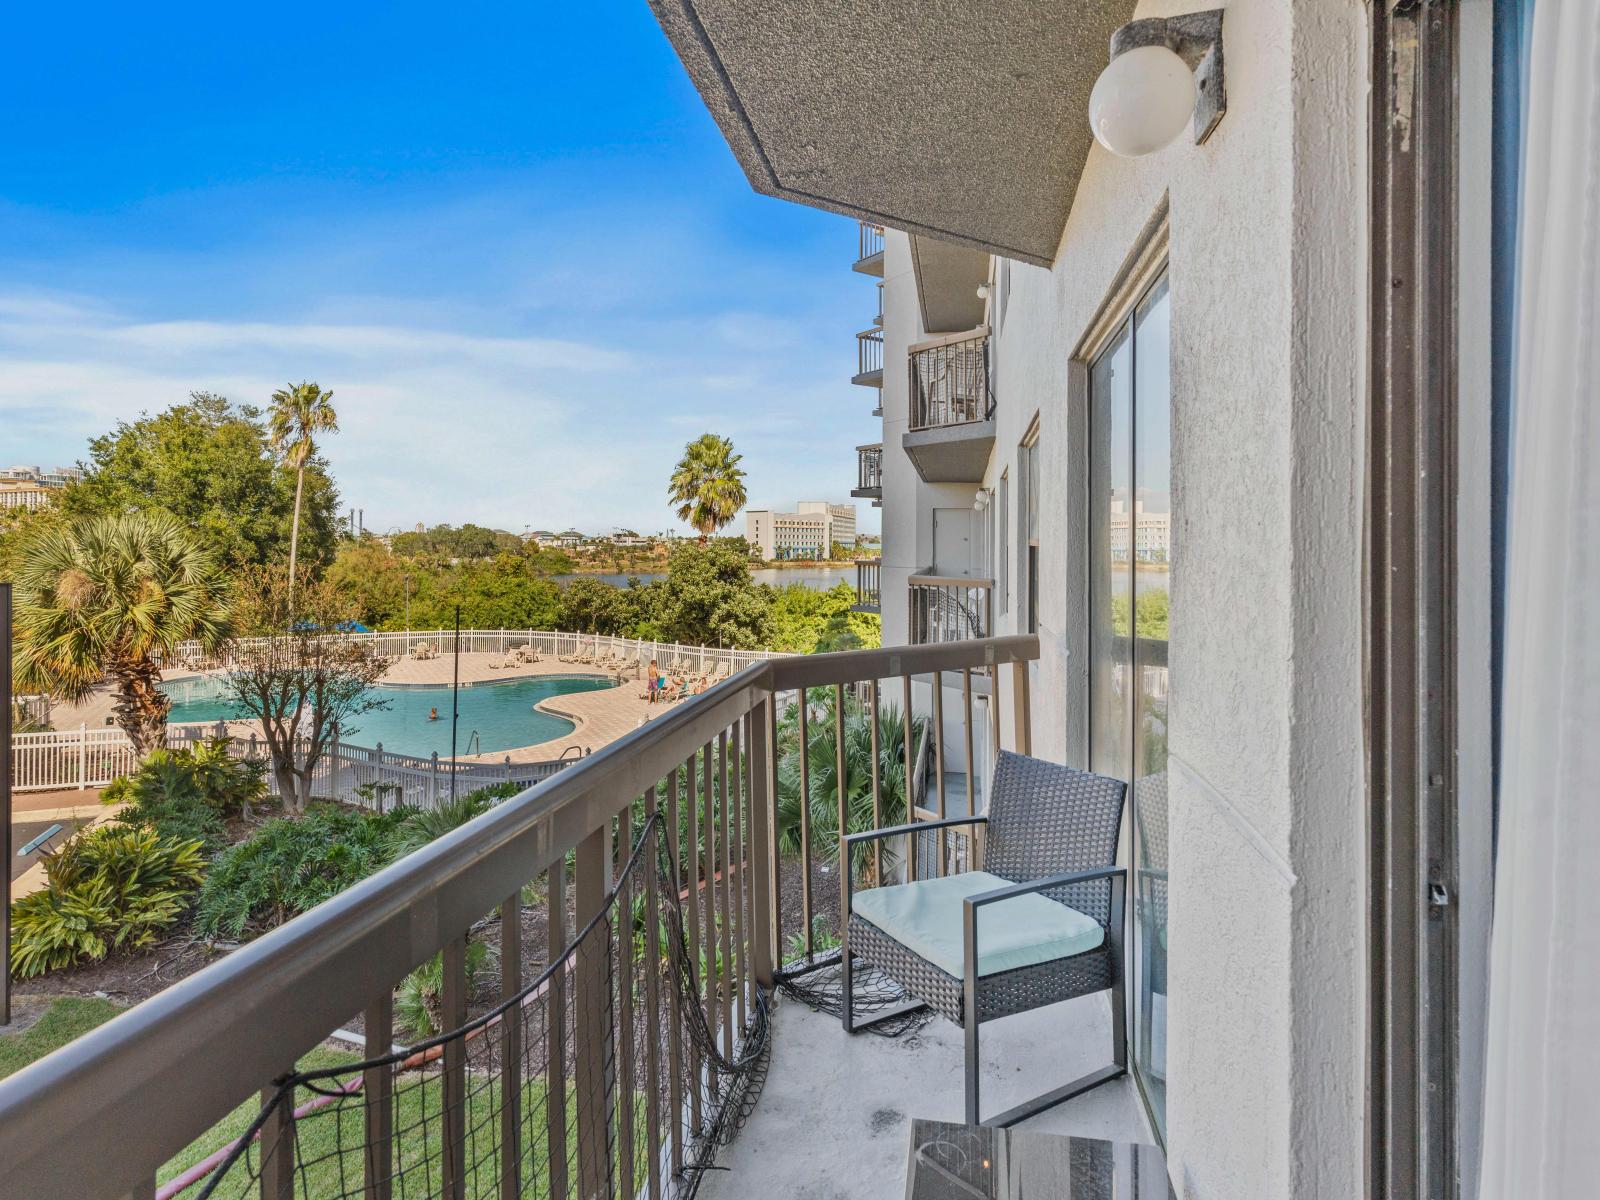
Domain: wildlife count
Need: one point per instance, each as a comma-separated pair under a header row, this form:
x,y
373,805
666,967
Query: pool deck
x,y
601,717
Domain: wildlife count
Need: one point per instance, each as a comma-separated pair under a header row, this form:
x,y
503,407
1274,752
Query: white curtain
x,y
1542,1097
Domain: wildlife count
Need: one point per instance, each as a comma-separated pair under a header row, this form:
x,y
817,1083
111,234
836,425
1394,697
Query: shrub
x,y
108,888
291,865
422,826
419,1004
185,794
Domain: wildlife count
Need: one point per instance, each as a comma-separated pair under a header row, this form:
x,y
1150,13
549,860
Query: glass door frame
x,y
1124,318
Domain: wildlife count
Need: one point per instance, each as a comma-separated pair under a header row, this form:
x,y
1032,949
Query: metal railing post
x,y
377,1095
593,1029
763,832
277,1147
1022,733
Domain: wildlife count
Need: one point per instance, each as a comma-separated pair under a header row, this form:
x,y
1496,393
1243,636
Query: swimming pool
x,y
502,714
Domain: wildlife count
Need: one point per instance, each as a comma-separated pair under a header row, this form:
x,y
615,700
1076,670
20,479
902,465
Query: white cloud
x,y
443,425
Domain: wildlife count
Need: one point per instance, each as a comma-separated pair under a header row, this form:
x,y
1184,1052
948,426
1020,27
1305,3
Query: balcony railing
x,y
949,608
867,595
637,904
869,358
871,241
869,471
949,380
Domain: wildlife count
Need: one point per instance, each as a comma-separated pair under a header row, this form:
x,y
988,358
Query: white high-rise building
x,y
811,531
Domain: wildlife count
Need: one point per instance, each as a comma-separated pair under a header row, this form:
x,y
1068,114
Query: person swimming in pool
x,y
433,714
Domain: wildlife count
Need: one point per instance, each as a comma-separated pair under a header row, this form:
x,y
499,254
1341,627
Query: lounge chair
x,y
1052,898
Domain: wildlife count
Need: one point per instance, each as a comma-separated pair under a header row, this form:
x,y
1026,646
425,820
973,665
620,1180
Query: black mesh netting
x,y
819,987
602,1073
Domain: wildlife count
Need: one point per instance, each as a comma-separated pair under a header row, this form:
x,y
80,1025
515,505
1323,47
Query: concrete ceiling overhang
x,y
947,284
963,120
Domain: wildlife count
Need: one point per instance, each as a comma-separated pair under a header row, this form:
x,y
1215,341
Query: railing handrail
x,y
249,1014
931,580
949,339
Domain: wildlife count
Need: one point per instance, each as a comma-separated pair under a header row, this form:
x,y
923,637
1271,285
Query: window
x,y
1028,534
1130,546
1003,583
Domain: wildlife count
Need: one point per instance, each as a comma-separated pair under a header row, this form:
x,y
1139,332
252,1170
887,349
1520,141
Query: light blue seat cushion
x,y
925,917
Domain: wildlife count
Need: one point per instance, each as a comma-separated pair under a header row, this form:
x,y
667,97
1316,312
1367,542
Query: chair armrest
x,y
1039,885
873,835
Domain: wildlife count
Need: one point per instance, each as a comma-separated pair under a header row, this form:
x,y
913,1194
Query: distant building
x,y
570,539
542,538
1152,533
33,487
23,495
57,478
809,532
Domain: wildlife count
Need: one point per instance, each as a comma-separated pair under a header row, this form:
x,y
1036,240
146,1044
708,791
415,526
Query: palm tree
x,y
109,596
707,484
823,780
299,413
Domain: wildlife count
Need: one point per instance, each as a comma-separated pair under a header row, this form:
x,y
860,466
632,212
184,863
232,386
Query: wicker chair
x,y
1051,835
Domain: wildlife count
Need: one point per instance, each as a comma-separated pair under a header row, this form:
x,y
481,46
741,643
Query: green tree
x,y
808,621
709,599
299,413
305,683
707,484
110,596
209,463
593,606
371,582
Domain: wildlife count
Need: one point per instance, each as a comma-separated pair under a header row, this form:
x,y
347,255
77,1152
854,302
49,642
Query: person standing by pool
x,y
654,686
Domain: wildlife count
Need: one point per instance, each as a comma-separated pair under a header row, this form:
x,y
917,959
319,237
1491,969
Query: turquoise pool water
x,y
502,714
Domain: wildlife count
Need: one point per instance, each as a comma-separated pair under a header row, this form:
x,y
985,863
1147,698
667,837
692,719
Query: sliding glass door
x,y
1130,547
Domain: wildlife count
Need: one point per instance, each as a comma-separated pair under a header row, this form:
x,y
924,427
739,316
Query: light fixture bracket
x,y
1197,39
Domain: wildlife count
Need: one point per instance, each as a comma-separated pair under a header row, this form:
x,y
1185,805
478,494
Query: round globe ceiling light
x,y
1142,101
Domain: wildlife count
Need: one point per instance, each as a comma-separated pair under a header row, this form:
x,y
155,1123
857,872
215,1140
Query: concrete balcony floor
x,y
834,1121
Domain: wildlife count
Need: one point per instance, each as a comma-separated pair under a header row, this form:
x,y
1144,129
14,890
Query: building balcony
x,y
867,594
869,251
587,1047
869,472
948,608
951,428
869,358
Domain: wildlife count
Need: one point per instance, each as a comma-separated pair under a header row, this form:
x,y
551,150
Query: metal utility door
x,y
953,542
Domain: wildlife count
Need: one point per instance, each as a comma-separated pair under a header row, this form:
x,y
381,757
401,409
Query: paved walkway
x,y
33,812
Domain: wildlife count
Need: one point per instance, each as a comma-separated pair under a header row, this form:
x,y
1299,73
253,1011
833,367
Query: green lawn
x,y
67,1017
330,1139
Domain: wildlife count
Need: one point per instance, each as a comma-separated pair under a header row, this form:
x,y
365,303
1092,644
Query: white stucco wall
x,y
1268,318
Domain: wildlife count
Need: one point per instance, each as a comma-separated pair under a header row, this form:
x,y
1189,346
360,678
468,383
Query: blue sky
x,y
508,236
